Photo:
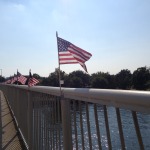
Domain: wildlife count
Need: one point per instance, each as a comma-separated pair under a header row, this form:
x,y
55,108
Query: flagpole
x,y
17,76
58,64
29,78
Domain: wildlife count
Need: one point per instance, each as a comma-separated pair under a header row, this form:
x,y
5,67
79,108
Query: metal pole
x,y
66,124
30,120
137,129
58,63
120,129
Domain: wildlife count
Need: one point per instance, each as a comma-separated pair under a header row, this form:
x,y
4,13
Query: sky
x,y
116,33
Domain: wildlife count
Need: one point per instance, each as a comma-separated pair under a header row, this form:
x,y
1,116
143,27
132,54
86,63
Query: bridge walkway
x,y
10,138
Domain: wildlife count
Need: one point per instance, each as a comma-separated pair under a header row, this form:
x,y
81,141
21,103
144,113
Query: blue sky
x,y
117,33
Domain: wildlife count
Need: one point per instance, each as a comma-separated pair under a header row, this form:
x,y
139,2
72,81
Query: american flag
x,y
21,78
32,81
71,54
14,79
8,81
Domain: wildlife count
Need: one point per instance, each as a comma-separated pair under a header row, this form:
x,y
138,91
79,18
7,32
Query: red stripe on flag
x,y
71,54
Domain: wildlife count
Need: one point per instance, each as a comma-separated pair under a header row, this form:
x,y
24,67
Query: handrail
x,y
133,100
48,120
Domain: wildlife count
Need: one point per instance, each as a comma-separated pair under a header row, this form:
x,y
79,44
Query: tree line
x,y
139,79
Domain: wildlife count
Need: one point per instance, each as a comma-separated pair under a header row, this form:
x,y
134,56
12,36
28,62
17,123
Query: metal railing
x,y
81,118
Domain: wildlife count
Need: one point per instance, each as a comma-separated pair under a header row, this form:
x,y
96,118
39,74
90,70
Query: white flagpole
x,y
17,76
29,78
58,64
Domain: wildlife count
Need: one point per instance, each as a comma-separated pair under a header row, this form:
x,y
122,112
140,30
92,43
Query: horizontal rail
x,y
81,118
132,100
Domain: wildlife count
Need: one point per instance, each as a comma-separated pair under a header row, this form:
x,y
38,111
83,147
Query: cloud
x,y
58,16
14,1
9,6
18,7
11,11
66,1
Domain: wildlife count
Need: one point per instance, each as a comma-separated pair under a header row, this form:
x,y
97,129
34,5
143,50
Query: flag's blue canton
x,y
63,45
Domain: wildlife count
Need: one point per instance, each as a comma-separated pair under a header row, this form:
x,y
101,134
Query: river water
x,y
129,132
51,128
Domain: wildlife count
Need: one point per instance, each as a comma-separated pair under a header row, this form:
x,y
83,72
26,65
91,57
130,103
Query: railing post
x,y
137,129
30,120
66,124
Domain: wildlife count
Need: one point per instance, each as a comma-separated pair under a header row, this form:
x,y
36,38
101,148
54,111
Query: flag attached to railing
x,y
71,54
14,79
21,78
32,81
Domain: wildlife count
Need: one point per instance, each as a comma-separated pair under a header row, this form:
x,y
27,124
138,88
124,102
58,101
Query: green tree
x,y
2,79
77,79
76,82
148,85
141,78
123,79
53,78
102,80
45,81
35,75
111,81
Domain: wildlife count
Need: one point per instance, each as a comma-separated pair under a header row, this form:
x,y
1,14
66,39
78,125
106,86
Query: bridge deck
x,y
9,135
